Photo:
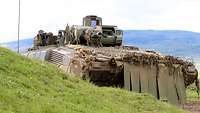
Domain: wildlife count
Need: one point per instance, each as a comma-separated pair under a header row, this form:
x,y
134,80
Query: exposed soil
x,y
192,106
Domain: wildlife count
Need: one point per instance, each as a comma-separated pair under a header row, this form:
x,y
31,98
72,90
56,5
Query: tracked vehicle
x,y
93,51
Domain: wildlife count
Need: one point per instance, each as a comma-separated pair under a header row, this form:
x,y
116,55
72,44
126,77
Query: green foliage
x,y
192,94
30,86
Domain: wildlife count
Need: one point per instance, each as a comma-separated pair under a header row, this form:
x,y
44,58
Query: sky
x,y
53,15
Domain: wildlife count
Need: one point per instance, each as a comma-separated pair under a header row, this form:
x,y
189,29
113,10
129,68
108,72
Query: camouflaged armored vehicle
x,y
82,50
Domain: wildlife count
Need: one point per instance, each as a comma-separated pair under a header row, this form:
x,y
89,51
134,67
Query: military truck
x,y
77,51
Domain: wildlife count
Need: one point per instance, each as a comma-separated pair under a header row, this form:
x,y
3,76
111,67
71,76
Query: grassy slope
x,y
28,86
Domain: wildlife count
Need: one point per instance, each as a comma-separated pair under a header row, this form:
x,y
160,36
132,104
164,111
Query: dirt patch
x,y
192,106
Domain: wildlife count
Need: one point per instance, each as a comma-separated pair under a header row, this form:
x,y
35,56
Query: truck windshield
x,y
118,32
108,32
93,23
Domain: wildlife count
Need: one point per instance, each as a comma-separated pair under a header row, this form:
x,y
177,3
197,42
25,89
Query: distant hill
x,y
24,44
169,42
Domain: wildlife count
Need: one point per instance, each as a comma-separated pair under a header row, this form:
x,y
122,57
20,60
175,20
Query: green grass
x,y
191,93
30,86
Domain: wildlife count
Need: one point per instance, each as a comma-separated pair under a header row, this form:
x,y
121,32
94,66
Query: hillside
x,y
24,44
170,42
29,86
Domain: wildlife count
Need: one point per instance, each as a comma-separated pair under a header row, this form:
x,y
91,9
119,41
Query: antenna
x,y
18,26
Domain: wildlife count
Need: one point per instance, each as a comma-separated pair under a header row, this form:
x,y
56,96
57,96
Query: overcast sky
x,y
52,15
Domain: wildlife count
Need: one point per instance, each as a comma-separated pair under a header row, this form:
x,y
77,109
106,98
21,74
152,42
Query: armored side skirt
x,y
157,80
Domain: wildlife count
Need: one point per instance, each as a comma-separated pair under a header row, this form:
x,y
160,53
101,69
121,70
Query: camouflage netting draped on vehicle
x,y
94,51
165,77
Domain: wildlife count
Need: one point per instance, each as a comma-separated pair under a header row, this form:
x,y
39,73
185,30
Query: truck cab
x,y
111,35
92,21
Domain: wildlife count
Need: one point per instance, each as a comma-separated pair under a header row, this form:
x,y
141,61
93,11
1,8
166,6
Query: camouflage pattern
x,y
80,50
44,39
165,77
92,33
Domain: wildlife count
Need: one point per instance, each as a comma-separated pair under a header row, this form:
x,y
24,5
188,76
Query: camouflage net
x,y
136,56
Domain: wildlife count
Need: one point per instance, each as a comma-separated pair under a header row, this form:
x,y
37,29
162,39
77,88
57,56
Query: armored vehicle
x,y
82,50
